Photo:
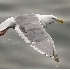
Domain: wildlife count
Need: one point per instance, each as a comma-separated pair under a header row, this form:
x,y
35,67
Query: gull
x,y
30,27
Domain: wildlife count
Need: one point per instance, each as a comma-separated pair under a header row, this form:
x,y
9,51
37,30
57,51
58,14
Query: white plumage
x,y
8,22
30,28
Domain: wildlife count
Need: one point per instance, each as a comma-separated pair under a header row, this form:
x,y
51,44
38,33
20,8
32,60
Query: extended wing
x,y
32,32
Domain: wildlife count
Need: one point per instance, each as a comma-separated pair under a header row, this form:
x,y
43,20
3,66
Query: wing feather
x,y
32,32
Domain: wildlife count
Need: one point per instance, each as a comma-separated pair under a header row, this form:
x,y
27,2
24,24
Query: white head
x,y
52,19
48,19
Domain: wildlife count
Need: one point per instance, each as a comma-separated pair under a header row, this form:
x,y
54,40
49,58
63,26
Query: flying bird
x,y
31,28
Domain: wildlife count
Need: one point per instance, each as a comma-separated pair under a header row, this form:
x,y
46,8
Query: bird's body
x,y
30,28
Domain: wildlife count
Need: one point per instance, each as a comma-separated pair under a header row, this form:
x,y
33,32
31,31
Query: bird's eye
x,y
53,18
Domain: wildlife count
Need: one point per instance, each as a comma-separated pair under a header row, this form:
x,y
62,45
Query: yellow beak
x,y
60,20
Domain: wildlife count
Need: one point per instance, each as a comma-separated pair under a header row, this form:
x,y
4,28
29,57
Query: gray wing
x,y
32,32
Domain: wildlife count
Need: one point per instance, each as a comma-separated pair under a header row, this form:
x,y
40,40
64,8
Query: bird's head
x,y
52,19
48,19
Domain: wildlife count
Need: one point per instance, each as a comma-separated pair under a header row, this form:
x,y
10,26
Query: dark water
x,y
15,53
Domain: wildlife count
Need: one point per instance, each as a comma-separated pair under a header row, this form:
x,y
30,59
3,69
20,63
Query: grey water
x,y
15,53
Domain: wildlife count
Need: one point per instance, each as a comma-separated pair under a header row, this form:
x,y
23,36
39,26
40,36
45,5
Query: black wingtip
x,y
57,59
55,55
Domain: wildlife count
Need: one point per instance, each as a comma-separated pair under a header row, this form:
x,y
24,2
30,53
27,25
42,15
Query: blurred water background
x,y
15,53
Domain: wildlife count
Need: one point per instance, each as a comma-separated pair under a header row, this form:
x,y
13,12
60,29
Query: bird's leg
x,y
3,32
45,26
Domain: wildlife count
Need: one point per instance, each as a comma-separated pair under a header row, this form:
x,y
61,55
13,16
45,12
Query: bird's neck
x,y
43,19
